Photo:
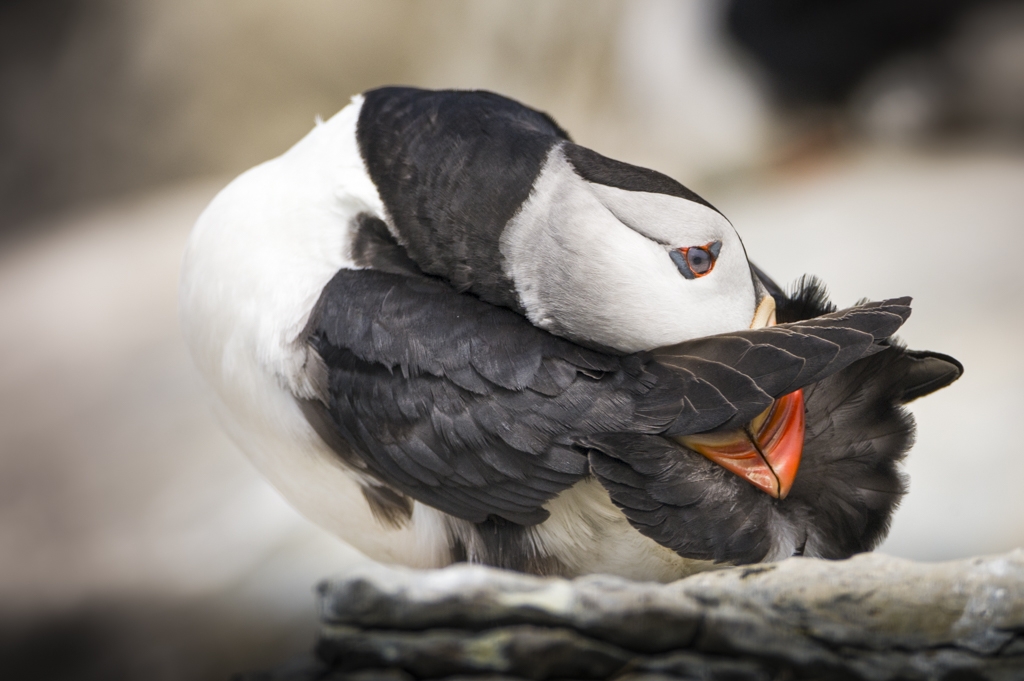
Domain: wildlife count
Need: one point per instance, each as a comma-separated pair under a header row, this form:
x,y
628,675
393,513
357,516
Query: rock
x,y
870,617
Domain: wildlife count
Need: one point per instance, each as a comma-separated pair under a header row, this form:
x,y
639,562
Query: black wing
x,y
762,364
848,484
467,407
443,396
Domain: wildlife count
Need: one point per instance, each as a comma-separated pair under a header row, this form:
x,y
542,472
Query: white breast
x,y
254,266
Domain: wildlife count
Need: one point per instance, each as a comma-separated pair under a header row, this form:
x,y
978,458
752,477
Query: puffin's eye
x,y
699,260
696,261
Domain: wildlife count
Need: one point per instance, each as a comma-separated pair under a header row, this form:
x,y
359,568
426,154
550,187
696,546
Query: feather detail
x,y
857,432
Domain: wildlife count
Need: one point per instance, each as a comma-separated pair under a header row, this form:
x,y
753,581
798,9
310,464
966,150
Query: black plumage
x,y
594,167
437,159
486,417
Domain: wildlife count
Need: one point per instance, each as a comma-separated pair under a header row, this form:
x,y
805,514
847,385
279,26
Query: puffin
x,y
447,333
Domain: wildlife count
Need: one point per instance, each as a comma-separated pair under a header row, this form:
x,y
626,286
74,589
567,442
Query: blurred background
x,y
876,143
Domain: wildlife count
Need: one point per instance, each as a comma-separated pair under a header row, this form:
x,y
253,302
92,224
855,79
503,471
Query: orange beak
x,y
766,453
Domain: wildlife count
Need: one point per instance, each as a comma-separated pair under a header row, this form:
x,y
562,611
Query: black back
x,y
452,168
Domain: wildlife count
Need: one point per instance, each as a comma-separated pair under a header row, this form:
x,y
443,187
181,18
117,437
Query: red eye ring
x,y
696,261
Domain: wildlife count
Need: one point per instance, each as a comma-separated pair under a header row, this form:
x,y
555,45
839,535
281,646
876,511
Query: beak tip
x,y
764,314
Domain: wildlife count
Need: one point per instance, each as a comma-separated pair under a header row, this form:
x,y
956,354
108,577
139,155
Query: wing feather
x,y
467,407
856,379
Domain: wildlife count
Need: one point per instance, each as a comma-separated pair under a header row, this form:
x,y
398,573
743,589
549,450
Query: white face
x,y
592,262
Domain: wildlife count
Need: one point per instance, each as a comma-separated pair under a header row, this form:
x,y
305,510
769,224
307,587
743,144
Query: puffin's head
x,y
608,253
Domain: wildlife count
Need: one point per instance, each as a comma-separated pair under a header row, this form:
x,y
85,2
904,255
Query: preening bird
x,y
445,332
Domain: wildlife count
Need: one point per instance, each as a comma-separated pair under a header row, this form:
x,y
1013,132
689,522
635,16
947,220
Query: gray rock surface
x,y
871,617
